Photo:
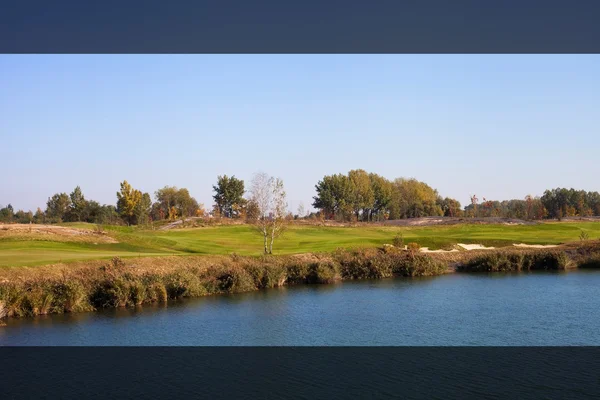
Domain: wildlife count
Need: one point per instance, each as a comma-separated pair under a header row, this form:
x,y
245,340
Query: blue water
x,y
456,309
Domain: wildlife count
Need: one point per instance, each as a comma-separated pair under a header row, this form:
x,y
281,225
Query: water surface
x,y
457,309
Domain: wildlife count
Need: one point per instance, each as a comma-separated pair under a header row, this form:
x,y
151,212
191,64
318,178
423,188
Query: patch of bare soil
x,y
54,232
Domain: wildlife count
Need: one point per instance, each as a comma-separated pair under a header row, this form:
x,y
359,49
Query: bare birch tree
x,y
301,212
270,198
278,214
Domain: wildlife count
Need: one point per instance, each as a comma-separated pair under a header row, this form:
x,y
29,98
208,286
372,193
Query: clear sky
x,y
499,126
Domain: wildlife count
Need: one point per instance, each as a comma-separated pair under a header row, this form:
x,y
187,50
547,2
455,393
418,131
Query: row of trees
x,y
555,203
364,196
357,195
562,202
133,208
530,208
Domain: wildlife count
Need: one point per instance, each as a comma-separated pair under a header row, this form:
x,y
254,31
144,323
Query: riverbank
x,y
92,285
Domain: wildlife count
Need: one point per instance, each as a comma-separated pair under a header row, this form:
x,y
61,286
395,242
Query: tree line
x,y
362,196
355,196
132,208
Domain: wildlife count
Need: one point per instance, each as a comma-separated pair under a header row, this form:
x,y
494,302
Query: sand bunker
x,y
535,246
474,247
469,247
426,250
461,246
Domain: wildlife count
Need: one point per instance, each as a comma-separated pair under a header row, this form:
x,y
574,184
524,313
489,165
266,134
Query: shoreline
x,y
98,284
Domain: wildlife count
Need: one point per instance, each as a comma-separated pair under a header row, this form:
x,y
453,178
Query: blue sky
x,y
499,126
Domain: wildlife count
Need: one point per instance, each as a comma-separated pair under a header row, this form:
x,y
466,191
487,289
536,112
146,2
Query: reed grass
x,y
100,284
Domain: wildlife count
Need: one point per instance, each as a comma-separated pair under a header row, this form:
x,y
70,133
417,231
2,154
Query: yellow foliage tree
x,y
172,213
127,200
200,212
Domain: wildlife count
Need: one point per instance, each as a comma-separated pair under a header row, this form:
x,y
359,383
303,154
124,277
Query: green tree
x,y
382,192
58,206
78,204
171,197
362,197
450,207
334,196
22,217
412,199
142,210
39,217
186,204
7,214
229,192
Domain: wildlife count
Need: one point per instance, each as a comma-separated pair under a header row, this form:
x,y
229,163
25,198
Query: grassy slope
x,y
243,240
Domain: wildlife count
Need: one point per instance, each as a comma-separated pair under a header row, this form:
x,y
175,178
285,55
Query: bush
x,y
12,299
398,240
70,296
229,280
137,293
589,262
38,300
365,264
183,284
413,247
267,276
297,273
506,261
418,265
583,235
322,272
111,294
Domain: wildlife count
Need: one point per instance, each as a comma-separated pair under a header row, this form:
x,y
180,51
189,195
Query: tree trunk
x,y
265,236
272,239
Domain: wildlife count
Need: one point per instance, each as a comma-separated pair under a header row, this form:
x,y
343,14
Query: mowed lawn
x,y
243,240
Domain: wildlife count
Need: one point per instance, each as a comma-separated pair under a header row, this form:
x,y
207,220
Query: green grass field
x,y
241,239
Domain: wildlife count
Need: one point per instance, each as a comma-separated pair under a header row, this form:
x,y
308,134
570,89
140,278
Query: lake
x,y
526,309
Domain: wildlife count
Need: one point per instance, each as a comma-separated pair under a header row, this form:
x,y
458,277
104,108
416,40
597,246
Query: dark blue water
x,y
458,309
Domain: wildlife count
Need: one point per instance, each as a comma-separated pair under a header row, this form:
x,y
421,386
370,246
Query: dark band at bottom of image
x,y
301,372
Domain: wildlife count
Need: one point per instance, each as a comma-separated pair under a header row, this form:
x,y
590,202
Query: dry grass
x,y
53,233
90,285
84,286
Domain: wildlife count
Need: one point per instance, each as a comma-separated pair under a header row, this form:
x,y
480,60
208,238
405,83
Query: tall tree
x,y
39,217
7,213
363,198
58,206
334,196
301,210
267,194
142,210
229,195
382,194
450,207
78,204
128,199
413,199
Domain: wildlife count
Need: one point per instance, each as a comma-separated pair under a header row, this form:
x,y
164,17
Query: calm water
x,y
498,309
